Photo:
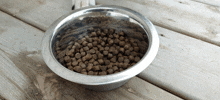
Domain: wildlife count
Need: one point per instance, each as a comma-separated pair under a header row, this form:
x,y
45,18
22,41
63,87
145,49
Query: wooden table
x,y
187,65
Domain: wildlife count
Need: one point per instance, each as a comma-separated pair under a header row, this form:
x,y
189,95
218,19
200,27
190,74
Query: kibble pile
x,y
102,52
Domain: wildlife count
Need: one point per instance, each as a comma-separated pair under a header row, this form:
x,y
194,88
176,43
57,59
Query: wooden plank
x,y
184,16
24,75
185,66
30,10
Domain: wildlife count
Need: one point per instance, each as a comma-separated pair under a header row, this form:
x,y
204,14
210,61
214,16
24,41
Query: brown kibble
x,y
85,73
111,49
127,46
136,49
134,44
101,49
95,43
102,73
120,65
121,38
103,68
105,52
61,60
68,64
104,38
95,68
100,61
125,65
84,59
70,67
67,59
120,55
90,45
116,36
121,69
122,50
89,67
110,55
77,69
110,36
95,73
110,42
73,59
92,51
81,50
131,57
74,63
94,56
89,40
92,60
83,70
78,55
133,53
125,57
122,43
116,71
86,48
115,68
83,54
100,56
95,63
131,49
133,64
117,41
84,43
127,52
107,62
105,31
77,45
79,60
90,73
103,43
83,66
121,33
126,61
70,52
109,66
136,59
95,48
115,52
88,56
93,34
120,59
113,59
110,71
86,62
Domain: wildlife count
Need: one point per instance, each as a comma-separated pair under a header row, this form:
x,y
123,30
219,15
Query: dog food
x,y
102,52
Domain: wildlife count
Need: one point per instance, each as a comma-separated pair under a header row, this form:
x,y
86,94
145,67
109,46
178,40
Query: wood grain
x,y
209,2
24,75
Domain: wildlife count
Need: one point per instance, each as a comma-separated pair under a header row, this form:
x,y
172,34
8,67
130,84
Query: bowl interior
x,y
79,23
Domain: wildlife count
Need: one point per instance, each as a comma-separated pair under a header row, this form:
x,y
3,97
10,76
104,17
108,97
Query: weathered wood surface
x,y
189,17
24,75
185,66
209,2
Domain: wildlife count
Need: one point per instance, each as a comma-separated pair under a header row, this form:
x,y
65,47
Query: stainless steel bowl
x,y
107,82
